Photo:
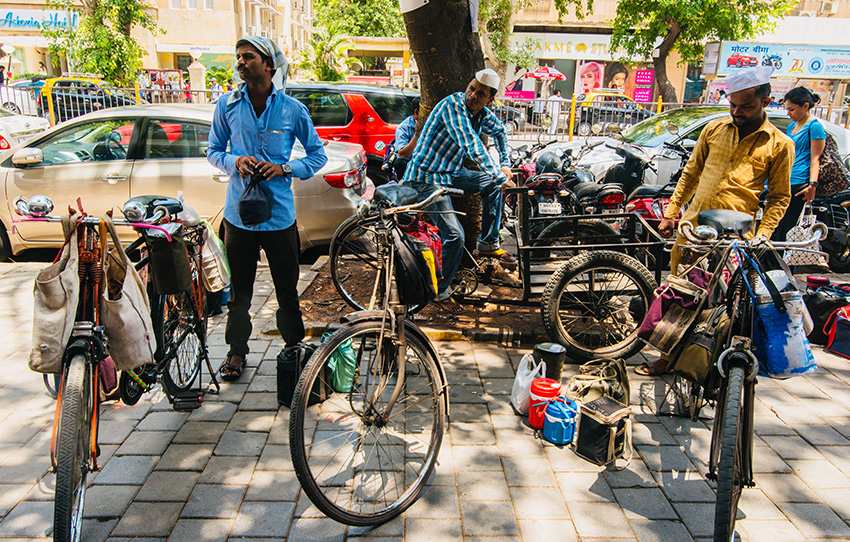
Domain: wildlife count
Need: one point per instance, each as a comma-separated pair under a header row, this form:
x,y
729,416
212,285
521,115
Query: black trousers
x,y
791,217
282,248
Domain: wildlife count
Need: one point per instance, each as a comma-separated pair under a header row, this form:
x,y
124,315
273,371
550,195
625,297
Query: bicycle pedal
x,y
187,401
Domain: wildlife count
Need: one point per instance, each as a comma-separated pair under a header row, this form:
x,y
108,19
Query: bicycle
x,y
735,370
365,452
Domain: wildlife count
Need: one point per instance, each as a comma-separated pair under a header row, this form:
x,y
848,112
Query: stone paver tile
x,y
316,529
436,502
684,486
498,386
529,471
214,412
113,431
263,384
229,470
468,434
598,520
28,519
698,518
476,458
134,413
821,435
238,443
108,501
754,530
201,530
200,432
391,529
792,447
232,392
838,500
783,488
564,460
10,494
162,421
652,434
275,458
488,519
97,529
146,443
766,461
539,503
192,457
648,503
164,486
252,421
29,466
636,474
819,474
483,486
562,530
838,456
754,504
433,530
815,520
127,470
584,487
660,531
263,401
273,486
214,501
665,458
471,414
263,519
148,519
44,490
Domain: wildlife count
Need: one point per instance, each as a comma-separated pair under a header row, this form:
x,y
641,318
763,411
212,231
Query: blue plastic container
x,y
559,425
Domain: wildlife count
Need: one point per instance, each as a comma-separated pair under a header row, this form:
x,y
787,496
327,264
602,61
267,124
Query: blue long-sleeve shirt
x,y
450,135
268,138
405,132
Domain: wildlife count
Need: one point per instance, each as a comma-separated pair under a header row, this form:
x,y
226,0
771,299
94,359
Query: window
x,y
193,4
98,141
175,139
209,4
393,109
176,4
326,108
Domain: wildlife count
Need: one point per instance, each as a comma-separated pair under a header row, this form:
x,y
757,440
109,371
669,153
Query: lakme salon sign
x,y
36,19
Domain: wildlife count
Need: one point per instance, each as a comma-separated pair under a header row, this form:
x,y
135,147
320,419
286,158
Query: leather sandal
x,y
232,367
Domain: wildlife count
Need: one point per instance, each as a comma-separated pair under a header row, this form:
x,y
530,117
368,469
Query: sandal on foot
x,y
644,369
231,369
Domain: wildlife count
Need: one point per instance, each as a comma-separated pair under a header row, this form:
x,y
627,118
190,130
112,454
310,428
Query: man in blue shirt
x,y
261,123
452,134
405,140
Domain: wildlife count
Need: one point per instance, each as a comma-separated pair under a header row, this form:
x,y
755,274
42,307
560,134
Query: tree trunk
x,y
665,87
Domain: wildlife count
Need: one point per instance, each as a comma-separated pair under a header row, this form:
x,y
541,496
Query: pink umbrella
x,y
546,73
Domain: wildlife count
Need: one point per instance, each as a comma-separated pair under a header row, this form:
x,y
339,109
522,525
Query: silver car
x,y
105,158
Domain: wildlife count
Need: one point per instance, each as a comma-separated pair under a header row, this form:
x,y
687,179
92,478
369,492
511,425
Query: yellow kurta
x,y
727,173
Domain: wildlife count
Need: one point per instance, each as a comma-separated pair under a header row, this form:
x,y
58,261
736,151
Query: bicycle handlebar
x,y
437,194
687,230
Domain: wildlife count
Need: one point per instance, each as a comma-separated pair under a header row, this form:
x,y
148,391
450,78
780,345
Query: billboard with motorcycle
x,y
800,61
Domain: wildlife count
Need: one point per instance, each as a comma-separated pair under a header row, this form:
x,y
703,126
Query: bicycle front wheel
x,y
184,334
729,476
357,463
72,457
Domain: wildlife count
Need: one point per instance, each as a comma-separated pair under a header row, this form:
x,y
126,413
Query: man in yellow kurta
x,y
732,159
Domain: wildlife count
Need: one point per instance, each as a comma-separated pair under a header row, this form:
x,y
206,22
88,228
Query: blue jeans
x,y
451,231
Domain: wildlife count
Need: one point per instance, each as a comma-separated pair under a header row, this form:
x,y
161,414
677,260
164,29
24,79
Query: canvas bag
x,y
600,378
833,176
801,232
56,293
125,306
215,270
837,330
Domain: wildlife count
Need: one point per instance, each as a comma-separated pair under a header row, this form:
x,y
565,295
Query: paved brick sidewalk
x,y
223,472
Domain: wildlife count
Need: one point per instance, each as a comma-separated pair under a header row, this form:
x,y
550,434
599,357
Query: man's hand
x,y
246,165
807,193
666,227
269,170
509,175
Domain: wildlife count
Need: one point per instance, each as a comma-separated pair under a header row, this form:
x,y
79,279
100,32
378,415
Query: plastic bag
x,y
525,374
216,271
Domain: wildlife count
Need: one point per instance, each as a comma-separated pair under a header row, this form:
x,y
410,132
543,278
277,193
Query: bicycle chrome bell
x,y
134,211
40,206
706,233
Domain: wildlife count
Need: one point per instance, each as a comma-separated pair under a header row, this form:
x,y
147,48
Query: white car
x,y
18,100
678,126
17,129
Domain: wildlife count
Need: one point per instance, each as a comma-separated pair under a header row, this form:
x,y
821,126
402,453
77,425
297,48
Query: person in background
x,y
553,105
809,139
721,98
405,139
2,75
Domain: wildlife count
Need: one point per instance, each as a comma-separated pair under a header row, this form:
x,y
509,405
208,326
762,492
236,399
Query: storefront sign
x,y
566,46
801,61
36,19
644,77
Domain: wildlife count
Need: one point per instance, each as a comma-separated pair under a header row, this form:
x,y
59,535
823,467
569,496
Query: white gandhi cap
x,y
748,78
488,78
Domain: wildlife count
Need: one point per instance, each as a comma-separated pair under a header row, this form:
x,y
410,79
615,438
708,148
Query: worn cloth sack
x,y
428,234
125,306
603,431
600,378
526,372
676,306
169,260
56,293
215,270
703,345
801,232
255,203
837,330
833,176
822,304
415,270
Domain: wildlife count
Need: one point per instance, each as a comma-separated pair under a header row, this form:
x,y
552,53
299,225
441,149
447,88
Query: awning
x,y
25,41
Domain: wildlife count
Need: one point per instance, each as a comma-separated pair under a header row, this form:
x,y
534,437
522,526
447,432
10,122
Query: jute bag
x,y
126,309
56,294
600,378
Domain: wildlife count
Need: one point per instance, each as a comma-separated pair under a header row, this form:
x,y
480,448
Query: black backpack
x,y
416,277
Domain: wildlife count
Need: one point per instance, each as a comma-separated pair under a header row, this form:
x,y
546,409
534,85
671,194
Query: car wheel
x,y
5,245
584,129
738,64
12,108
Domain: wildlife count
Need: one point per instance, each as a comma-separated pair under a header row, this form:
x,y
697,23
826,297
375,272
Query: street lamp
x,y
8,49
195,53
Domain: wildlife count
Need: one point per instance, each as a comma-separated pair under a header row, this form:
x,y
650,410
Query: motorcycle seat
x,y
586,190
652,191
396,195
726,222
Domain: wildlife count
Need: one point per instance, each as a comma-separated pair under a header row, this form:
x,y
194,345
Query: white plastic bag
x,y
525,374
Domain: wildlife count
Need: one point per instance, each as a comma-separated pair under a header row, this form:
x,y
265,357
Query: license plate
x,y
549,207
611,211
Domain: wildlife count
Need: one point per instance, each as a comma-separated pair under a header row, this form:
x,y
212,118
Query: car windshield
x,y
654,131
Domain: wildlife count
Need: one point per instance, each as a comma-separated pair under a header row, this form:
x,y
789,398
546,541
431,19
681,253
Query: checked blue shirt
x,y
451,134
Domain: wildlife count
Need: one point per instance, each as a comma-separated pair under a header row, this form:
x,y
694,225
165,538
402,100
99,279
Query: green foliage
x,y
103,44
377,18
523,55
220,74
326,57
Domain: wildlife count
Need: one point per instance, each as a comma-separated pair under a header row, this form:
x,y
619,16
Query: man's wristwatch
x,y
287,170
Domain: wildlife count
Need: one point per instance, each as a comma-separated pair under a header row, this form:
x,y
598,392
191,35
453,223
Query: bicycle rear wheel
x,y
356,466
729,476
72,457
184,335
354,261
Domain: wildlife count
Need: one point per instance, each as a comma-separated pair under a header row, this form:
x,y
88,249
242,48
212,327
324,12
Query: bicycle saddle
x,y
726,222
173,205
395,194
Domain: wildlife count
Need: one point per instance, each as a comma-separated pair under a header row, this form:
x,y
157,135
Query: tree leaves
x,y
379,18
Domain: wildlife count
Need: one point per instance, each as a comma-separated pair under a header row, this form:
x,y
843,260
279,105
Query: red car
x,y
741,61
362,114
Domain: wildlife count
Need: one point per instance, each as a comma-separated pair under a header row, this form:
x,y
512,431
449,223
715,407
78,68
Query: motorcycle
x,y
832,211
772,60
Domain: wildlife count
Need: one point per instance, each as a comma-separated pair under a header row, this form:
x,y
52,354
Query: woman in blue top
x,y
809,141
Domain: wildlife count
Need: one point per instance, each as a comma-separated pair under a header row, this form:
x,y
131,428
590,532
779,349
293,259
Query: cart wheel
x,y
466,282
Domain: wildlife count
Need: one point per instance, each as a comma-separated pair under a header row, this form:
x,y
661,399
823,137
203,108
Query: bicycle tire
x,y
72,452
304,392
592,262
181,325
729,484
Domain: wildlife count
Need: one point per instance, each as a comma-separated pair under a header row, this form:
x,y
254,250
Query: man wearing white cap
x,y
451,134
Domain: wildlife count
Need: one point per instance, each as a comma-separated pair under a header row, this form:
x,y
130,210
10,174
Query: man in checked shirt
x,y
451,134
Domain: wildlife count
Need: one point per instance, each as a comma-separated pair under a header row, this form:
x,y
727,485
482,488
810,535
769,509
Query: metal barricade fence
x,y
20,100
